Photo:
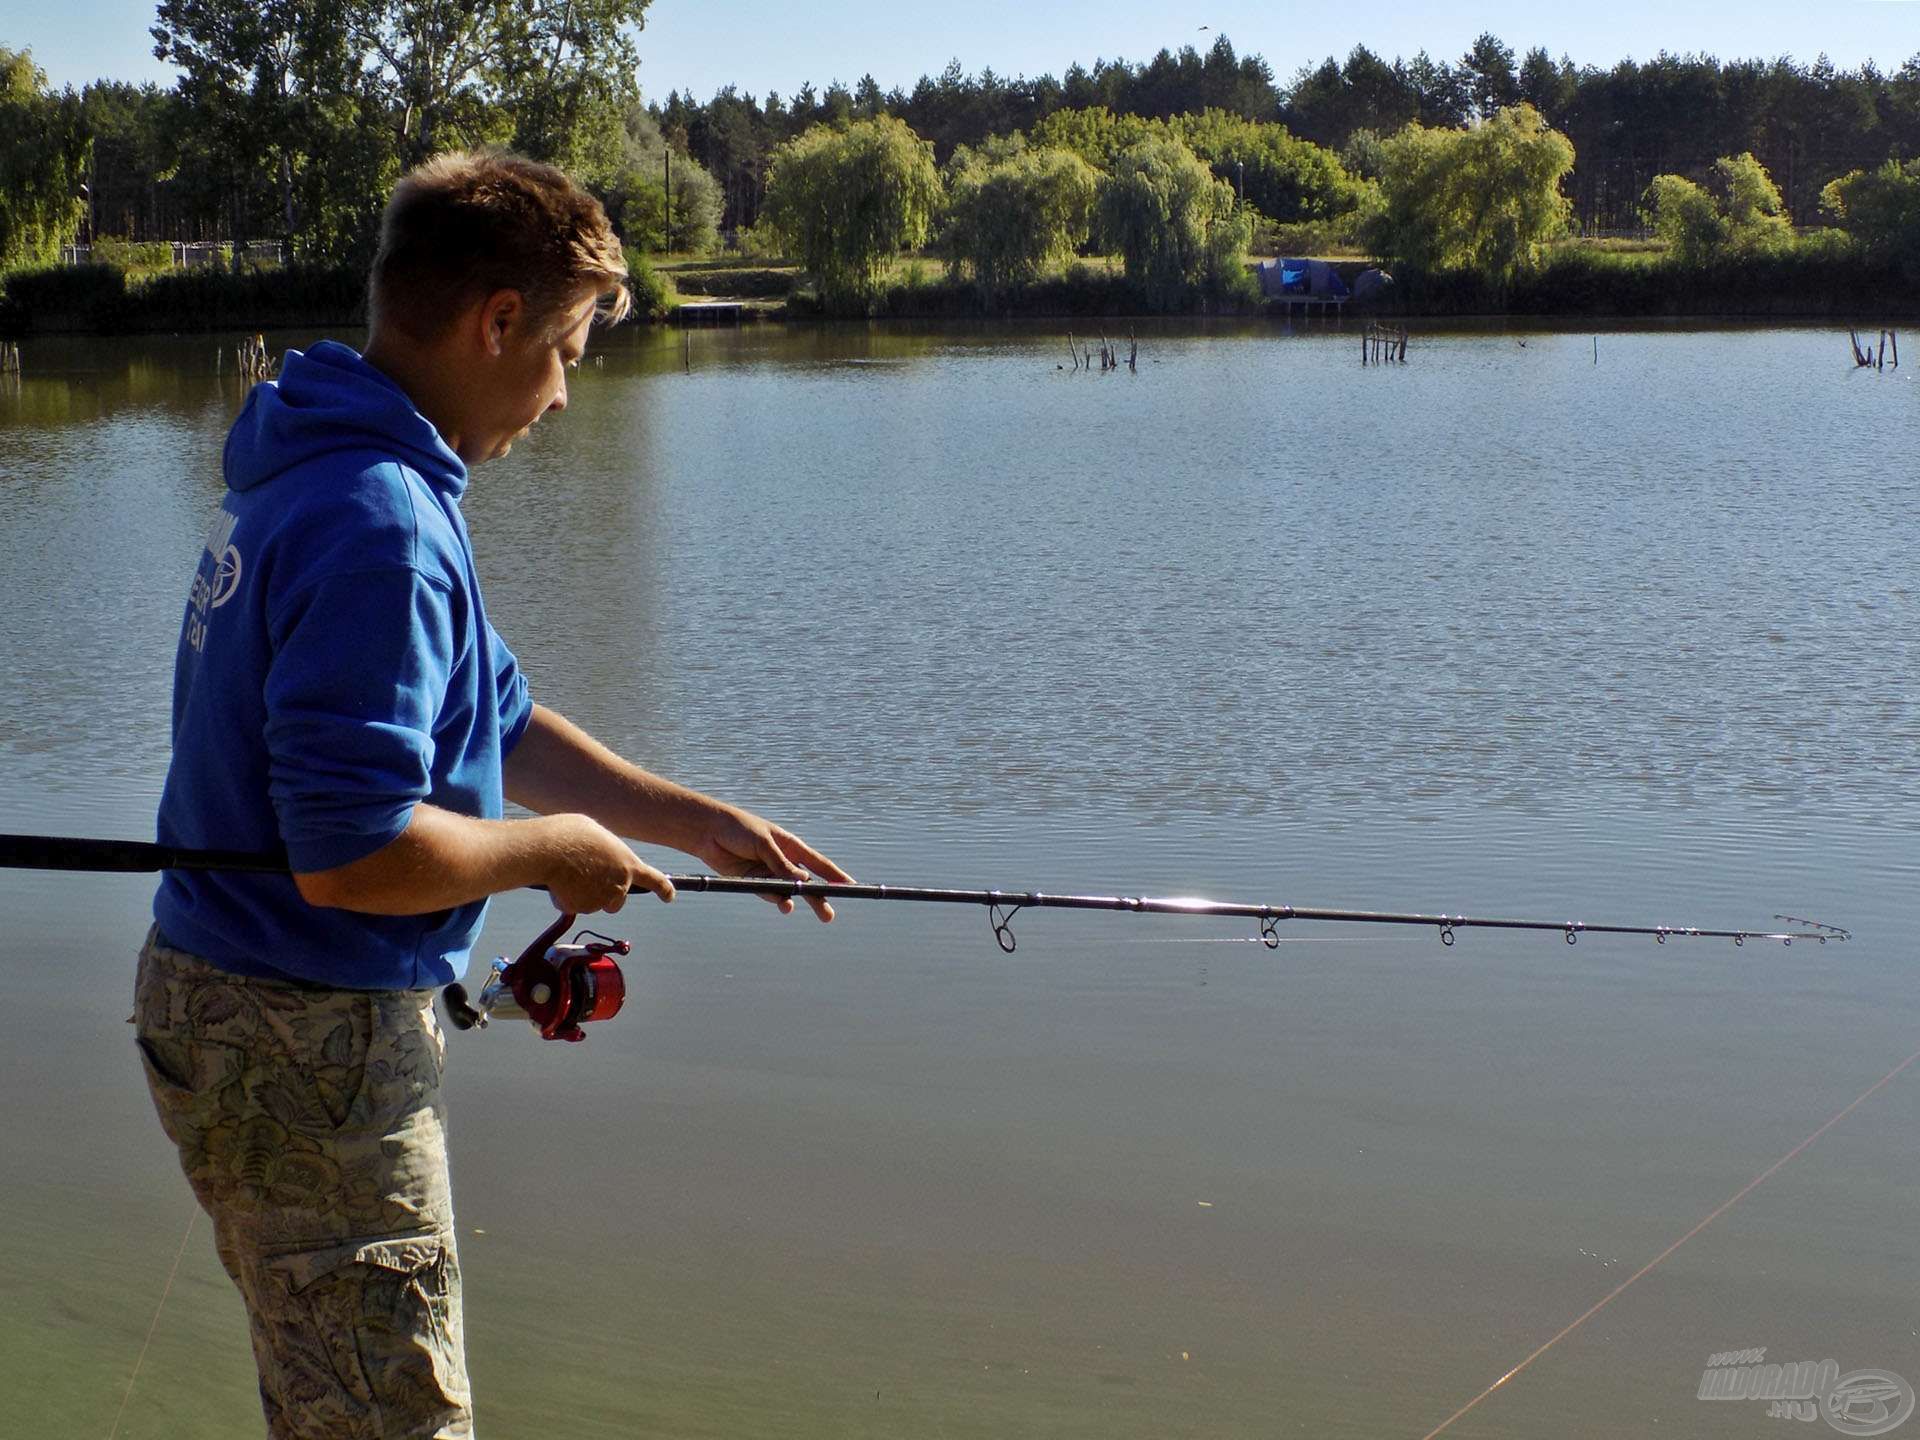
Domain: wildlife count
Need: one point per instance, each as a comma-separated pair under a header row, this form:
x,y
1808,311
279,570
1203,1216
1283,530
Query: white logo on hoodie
x,y
210,593
226,576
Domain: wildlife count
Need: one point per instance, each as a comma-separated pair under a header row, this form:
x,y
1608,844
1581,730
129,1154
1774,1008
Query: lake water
x,y
1530,625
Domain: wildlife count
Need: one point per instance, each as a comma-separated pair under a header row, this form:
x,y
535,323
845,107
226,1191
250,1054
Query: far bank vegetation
x,y
1490,183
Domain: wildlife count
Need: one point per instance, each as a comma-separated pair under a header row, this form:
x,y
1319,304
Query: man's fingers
x,y
781,855
776,861
784,841
816,862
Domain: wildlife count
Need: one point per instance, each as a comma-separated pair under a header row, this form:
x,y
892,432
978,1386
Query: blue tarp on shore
x,y
1301,279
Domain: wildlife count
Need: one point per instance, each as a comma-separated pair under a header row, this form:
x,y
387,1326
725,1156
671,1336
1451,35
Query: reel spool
x,y
556,987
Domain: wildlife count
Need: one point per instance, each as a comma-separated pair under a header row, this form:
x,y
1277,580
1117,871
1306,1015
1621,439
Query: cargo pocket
x,y
367,1334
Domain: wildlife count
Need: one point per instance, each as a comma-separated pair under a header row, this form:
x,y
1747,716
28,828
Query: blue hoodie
x,y
335,668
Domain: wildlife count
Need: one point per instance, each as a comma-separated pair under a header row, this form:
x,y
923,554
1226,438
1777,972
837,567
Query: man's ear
x,y
499,313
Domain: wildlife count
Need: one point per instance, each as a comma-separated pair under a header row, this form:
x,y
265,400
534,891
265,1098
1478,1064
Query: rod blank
x,y
51,852
1010,900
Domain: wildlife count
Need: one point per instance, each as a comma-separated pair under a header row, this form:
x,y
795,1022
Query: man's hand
x,y
558,769
738,842
591,868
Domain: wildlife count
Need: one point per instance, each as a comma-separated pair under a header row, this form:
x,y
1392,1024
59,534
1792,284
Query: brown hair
x,y
471,222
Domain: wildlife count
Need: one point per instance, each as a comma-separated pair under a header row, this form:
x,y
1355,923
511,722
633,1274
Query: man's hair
x,y
472,222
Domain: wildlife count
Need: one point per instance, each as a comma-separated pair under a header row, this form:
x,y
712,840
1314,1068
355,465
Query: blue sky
x,y
777,44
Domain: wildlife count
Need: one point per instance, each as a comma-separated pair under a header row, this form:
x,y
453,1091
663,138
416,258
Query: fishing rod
x,y
53,852
560,985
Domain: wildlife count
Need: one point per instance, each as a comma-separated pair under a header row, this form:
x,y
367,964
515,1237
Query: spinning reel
x,y
556,987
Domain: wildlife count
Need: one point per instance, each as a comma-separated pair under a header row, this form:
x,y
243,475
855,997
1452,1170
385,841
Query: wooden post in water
x,y
1133,353
252,360
9,358
1073,352
1895,338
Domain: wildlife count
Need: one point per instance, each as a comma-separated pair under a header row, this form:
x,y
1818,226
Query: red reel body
x,y
568,987
558,986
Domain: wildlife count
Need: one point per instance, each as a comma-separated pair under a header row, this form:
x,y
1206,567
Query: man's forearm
x,y
557,767
439,861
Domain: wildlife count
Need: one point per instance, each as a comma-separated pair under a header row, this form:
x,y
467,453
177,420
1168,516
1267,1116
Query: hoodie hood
x,y
328,400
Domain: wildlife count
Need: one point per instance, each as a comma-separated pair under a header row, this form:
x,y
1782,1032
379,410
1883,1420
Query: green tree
x,y
844,202
1880,209
319,106
1011,211
1172,223
1548,87
1740,214
1094,133
272,88
1364,156
1756,218
1486,199
1488,73
457,72
1285,178
44,158
1683,216
636,195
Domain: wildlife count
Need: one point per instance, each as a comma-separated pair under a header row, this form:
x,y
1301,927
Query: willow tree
x,y
44,156
1485,199
1013,210
845,200
1173,225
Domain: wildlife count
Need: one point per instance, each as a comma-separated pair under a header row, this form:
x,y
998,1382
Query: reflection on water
x,y
1502,629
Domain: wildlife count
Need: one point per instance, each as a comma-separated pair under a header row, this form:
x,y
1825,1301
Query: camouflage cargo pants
x,y
310,1125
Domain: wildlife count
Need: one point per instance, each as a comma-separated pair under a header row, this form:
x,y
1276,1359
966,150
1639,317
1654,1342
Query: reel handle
x,y
460,1010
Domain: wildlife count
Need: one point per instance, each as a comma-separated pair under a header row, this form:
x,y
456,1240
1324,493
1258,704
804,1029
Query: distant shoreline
x,y
1574,286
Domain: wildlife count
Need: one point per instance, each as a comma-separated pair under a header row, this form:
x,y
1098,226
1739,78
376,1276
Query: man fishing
x,y
339,694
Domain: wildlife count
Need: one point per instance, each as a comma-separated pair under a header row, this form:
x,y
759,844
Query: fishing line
x,y
152,1326
1720,1210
